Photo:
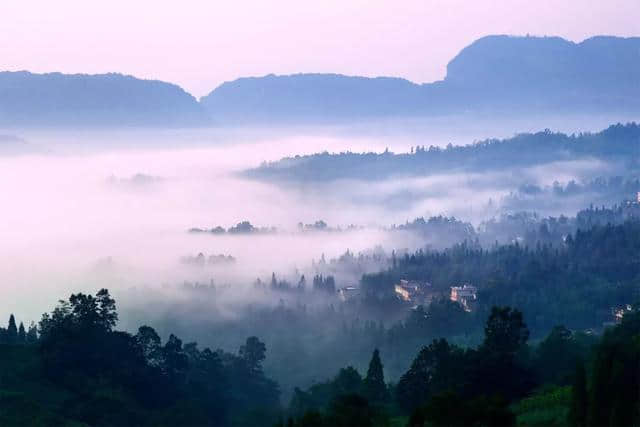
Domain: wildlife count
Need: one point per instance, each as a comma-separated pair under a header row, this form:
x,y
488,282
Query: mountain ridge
x,y
51,99
496,74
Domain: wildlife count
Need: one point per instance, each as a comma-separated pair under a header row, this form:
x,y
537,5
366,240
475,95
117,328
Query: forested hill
x,y
509,75
617,142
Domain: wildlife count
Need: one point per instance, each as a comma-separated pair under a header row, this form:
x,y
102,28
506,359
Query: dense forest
x,y
77,369
576,283
561,273
618,143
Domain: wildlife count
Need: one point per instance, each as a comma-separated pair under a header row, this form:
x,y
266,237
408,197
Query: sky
x,y
200,44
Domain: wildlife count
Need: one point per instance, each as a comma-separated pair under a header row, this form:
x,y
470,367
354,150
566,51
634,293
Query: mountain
x,y
536,73
318,96
11,144
55,99
495,74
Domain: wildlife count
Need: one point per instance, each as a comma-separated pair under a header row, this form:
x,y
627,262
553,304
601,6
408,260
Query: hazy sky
x,y
200,44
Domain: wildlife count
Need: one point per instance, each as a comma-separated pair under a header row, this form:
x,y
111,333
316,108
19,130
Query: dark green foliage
x,y
108,377
349,410
557,355
449,409
498,364
449,386
253,352
375,389
32,334
22,334
615,386
505,332
437,368
320,396
12,331
579,398
547,407
574,284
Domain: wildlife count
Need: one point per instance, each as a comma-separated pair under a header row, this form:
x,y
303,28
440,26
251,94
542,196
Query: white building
x,y
466,295
348,293
412,290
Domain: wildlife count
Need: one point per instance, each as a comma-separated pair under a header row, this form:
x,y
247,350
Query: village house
x,y
414,291
348,293
619,312
466,295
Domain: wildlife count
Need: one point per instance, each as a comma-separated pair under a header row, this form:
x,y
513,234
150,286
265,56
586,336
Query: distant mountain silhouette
x,y
316,96
56,99
11,144
495,74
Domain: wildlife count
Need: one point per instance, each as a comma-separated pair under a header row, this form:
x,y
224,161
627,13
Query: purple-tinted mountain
x,y
56,99
495,74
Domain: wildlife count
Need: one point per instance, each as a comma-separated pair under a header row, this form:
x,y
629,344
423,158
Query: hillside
x,y
617,143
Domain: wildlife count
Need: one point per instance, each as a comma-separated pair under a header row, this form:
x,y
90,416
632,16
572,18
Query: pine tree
x,y
374,387
22,334
32,333
12,330
578,410
302,284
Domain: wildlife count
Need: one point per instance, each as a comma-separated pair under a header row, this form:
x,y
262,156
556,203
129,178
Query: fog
x,y
83,209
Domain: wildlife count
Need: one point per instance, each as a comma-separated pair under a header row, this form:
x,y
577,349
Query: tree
x,y
253,352
505,332
22,335
437,368
615,387
302,283
106,309
496,368
150,344
85,311
32,333
579,404
375,388
350,410
348,381
557,355
174,358
12,330
450,409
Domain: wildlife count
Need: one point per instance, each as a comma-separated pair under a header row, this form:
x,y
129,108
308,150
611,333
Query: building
x,y
619,312
348,293
413,291
466,295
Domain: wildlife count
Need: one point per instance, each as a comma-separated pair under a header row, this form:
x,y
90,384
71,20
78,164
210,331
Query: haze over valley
x,y
322,248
